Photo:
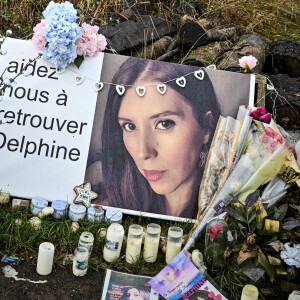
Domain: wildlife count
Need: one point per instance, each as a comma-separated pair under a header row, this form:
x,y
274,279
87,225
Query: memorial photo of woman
x,y
136,293
154,147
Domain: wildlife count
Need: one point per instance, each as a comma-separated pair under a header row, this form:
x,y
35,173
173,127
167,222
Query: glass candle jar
x,y
60,208
250,292
37,204
80,261
174,243
76,212
151,242
86,240
295,295
215,246
113,242
134,243
113,215
95,213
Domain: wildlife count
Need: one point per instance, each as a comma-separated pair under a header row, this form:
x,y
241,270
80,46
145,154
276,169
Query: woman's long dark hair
x,y
125,186
144,293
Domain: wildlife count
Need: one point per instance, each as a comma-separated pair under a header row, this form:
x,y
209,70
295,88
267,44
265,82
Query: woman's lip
x,y
153,175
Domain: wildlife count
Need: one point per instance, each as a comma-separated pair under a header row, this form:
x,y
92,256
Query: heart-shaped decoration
x,y
79,79
213,67
98,86
199,74
161,88
140,90
181,81
60,70
120,89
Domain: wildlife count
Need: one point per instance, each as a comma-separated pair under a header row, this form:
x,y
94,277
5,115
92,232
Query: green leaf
x,y
235,214
78,61
265,263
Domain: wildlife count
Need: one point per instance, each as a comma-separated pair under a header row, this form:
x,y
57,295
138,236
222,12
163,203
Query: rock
x,y
285,101
102,232
75,227
249,44
18,222
284,58
194,34
35,222
129,34
207,55
154,50
46,211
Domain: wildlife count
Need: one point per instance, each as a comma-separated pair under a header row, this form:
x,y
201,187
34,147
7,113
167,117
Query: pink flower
x,y
214,230
248,62
90,42
39,40
266,118
255,114
262,110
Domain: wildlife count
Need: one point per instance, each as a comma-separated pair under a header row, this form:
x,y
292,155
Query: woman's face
x,y
163,137
134,294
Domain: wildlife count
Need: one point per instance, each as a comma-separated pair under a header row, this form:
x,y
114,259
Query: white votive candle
x,y
45,258
134,243
250,292
295,295
151,242
174,243
113,242
80,261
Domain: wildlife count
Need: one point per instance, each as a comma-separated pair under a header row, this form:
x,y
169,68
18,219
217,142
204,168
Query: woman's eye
x,y
164,125
128,127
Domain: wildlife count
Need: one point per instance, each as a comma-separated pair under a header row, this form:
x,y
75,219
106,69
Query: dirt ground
x,y
61,284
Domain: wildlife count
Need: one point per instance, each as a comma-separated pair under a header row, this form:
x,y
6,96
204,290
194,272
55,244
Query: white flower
x,y
291,255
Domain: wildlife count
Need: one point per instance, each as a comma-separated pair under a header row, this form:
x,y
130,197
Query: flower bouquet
x,y
61,40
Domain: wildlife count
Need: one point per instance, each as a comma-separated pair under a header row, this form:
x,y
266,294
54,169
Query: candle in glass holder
x,y
86,240
151,242
173,243
295,295
80,261
45,258
113,242
134,243
250,292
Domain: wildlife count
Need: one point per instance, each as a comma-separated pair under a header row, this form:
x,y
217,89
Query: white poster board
x,y
45,143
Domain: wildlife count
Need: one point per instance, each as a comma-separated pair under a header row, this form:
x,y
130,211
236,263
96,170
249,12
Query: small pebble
x,y
75,227
35,222
46,211
18,222
102,232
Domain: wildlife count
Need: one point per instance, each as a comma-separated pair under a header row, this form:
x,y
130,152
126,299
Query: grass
x,y
268,18
24,240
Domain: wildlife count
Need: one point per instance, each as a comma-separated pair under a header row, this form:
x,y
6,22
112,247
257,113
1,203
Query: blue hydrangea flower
x,y
60,11
62,32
